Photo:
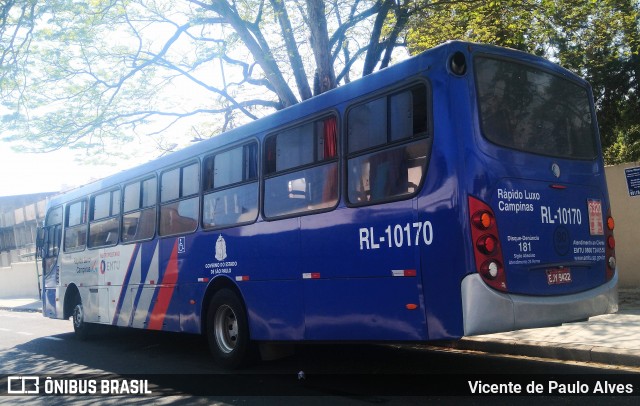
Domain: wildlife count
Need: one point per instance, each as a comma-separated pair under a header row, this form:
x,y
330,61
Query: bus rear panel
x,y
540,224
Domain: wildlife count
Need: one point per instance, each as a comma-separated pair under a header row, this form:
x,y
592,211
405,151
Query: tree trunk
x,y
325,77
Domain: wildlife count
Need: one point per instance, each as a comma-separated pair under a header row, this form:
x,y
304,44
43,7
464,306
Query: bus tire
x,y
228,330
81,328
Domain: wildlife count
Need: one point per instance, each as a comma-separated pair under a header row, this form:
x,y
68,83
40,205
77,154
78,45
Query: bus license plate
x,y
558,276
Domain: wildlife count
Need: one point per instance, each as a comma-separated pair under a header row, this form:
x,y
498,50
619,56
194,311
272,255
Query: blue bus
x,y
457,193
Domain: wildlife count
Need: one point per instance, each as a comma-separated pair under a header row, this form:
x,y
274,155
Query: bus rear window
x,y
531,110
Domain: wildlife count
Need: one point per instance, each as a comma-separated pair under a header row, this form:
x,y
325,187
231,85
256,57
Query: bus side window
x,y
389,166
367,125
230,185
139,208
301,169
179,200
105,219
75,232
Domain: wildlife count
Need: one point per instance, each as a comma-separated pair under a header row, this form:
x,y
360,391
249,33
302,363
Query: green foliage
x,y
598,39
17,19
625,148
72,79
509,23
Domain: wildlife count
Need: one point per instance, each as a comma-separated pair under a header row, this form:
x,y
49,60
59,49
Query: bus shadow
x,y
133,351
180,364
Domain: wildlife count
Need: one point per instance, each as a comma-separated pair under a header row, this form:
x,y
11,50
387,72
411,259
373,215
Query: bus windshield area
x,y
528,109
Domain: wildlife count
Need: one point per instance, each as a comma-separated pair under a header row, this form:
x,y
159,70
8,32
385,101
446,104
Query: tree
x,y
598,39
509,23
106,71
16,26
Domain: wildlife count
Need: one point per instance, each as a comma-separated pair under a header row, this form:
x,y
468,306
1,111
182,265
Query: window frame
x,y
181,197
111,216
141,208
267,175
425,136
213,189
84,223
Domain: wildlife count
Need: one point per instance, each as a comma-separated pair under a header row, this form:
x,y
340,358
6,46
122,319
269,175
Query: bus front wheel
x,y
228,330
80,326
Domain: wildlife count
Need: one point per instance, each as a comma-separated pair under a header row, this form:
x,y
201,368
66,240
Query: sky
x,y
23,173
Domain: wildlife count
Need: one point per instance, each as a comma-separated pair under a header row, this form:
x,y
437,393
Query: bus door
x,y
49,244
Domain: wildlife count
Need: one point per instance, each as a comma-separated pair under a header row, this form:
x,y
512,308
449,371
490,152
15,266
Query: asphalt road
x,y
178,369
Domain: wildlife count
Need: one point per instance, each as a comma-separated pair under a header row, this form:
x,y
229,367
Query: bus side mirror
x,y
40,238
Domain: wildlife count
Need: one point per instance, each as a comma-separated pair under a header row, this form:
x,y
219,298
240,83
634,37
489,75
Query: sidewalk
x,y
612,339
21,305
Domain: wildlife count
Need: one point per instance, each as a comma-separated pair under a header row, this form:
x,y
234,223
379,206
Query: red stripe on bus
x,y
156,319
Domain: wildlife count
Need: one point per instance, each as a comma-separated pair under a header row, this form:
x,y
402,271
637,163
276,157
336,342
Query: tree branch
x,y
264,57
373,53
292,49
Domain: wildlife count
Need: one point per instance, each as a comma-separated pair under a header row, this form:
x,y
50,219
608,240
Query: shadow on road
x,y
180,364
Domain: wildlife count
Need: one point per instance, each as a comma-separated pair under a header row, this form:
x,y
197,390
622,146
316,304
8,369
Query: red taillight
x,y
486,242
610,247
611,242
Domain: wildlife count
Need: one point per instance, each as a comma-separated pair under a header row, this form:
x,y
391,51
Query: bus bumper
x,y
488,311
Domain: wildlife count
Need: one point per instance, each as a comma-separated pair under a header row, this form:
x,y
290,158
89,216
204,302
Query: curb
x,y
21,309
564,352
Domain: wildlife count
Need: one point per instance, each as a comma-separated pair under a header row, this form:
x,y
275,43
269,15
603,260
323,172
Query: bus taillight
x,y
482,219
487,251
487,244
610,223
610,247
611,242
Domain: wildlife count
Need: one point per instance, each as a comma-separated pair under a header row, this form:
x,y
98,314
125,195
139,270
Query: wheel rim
x,y
78,316
226,329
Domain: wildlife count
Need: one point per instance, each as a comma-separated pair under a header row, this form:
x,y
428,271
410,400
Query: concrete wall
x,y
626,212
19,281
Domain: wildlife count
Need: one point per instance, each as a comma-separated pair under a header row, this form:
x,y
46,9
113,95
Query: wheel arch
x,y
217,284
70,299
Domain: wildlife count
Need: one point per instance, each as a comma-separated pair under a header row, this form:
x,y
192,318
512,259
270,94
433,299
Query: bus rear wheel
x,y
228,330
